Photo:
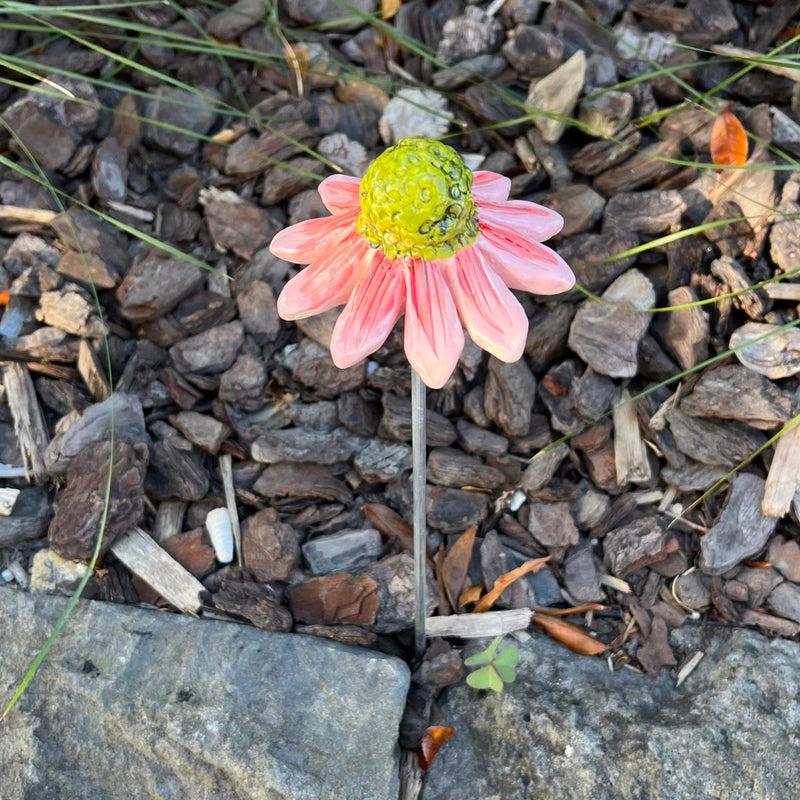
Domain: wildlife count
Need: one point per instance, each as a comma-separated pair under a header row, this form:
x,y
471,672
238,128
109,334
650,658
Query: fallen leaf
x,y
470,595
655,652
432,740
390,525
455,565
4,297
505,580
567,612
573,637
389,8
728,140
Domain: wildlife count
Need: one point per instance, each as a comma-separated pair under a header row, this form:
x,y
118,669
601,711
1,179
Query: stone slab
x,y
135,703
568,727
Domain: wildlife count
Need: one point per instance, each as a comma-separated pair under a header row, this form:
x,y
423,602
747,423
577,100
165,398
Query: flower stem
x,y
418,446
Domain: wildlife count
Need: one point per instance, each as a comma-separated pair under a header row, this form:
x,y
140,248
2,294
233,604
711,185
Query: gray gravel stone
x,y
161,705
567,727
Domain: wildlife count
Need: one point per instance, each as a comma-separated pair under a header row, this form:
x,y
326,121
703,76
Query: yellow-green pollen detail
x,y
416,201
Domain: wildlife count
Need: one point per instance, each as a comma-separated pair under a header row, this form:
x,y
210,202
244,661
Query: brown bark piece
x,y
784,555
331,599
270,547
394,578
637,544
210,352
647,167
735,392
88,268
191,552
201,429
742,530
710,442
551,525
251,601
396,423
596,448
175,471
454,510
651,213
77,523
655,652
595,157
547,334
509,395
155,285
687,332
450,467
292,484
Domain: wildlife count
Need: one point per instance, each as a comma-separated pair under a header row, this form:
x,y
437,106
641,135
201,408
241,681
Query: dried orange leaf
x,y
566,612
471,595
757,564
504,581
570,635
389,8
728,140
4,297
432,740
456,564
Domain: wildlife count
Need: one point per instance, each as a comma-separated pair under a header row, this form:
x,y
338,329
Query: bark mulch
x,y
232,425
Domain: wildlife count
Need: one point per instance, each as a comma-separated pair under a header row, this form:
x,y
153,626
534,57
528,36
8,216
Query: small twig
x,y
226,472
477,626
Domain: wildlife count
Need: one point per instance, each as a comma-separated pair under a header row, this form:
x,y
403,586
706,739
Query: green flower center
x,y
416,201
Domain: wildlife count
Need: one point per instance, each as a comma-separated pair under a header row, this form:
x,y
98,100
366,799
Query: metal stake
x,y
418,446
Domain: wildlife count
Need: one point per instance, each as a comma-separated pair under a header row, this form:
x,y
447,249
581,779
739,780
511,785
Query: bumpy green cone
x,y
416,201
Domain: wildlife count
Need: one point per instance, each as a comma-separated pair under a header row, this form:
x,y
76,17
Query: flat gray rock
x,y
160,705
567,727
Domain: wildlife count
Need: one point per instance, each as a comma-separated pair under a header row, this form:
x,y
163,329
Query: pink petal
x,y
489,187
306,241
327,282
433,336
371,312
520,220
493,316
340,193
539,271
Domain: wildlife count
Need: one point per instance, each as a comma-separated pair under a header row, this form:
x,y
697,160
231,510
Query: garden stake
x,y
418,447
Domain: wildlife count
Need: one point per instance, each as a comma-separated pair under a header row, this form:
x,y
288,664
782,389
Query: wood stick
x,y
91,373
477,626
29,426
226,472
169,520
782,480
630,456
139,552
39,216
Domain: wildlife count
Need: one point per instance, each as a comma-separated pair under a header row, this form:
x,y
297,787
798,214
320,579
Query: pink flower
x,y
420,235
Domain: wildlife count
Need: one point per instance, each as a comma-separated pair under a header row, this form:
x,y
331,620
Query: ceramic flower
x,y
421,235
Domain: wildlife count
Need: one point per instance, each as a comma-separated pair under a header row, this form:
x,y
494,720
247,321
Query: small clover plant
x,y
498,668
